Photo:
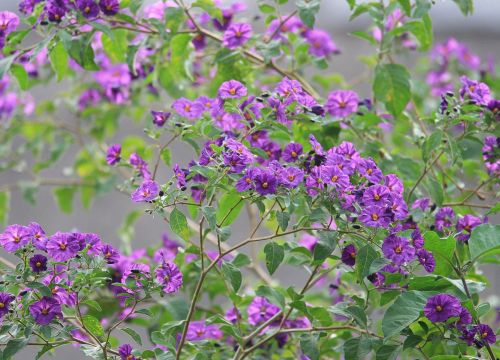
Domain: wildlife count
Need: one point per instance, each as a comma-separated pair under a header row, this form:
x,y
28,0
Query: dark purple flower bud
x,y
38,263
349,255
160,117
113,154
441,307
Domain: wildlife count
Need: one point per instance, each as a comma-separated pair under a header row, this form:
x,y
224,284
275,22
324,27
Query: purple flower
x,y
316,146
376,195
468,335
398,249
110,254
15,237
265,182
342,103
465,318
27,6
232,89
38,263
246,181
236,35
375,216
291,177
308,241
394,184
180,176
89,97
62,246
315,181
125,352
336,177
441,307
113,154
422,203
476,91
292,152
198,330
5,300
109,7
189,109
426,259
289,89
465,226
45,310
160,117
8,22
486,334
444,218
55,12
169,277
370,171
261,310
321,43
279,109
491,154
349,255
147,191
88,8
140,165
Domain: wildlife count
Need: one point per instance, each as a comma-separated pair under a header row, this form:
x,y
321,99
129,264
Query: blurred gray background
x,y
481,32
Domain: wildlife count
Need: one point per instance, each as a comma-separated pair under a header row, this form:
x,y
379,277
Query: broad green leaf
x,y
232,274
388,352
21,76
272,295
59,60
435,190
484,240
358,314
443,250
93,304
4,207
309,346
403,312
392,87
241,260
209,213
325,246
5,64
308,10
180,50
178,224
283,219
466,6
431,144
364,259
406,6
13,347
93,325
357,348
117,47
274,256
133,334
229,207
64,198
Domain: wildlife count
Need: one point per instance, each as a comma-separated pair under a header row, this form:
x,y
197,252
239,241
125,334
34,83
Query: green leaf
x,y
309,346
232,274
241,260
405,6
267,9
180,49
210,7
357,348
4,207
466,6
93,325
431,144
59,60
325,246
178,224
435,190
388,352
21,76
283,219
484,240
308,11
364,259
134,335
93,304
64,198
5,64
443,250
272,295
210,215
229,207
13,347
358,314
274,256
116,47
403,312
392,87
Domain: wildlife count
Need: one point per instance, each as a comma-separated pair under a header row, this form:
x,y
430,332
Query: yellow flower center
x,y
2,305
334,178
439,308
38,264
265,185
62,246
87,10
232,91
294,154
374,217
291,177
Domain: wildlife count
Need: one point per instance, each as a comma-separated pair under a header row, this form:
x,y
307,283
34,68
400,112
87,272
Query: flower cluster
x,y
8,23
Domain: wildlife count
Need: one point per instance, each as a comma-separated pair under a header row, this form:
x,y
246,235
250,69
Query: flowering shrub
x,y
384,202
